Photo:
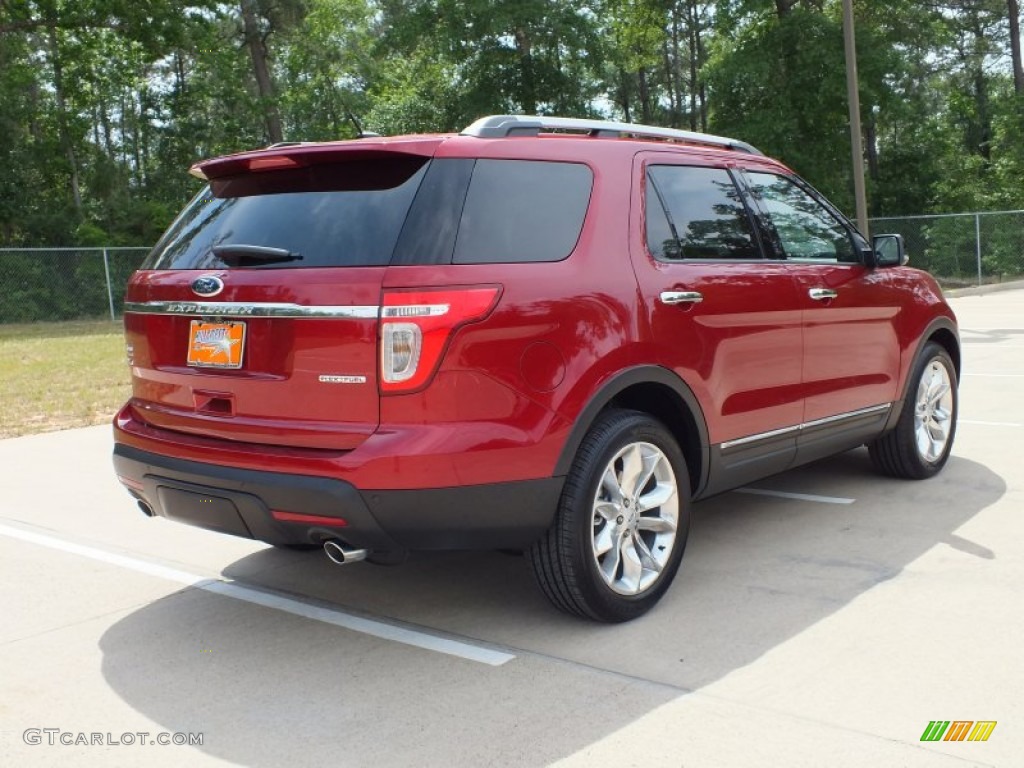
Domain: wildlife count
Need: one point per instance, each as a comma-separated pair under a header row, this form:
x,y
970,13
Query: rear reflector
x,y
296,517
416,326
133,484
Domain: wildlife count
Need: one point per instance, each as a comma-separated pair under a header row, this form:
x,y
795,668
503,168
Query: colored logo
x,y
208,285
958,730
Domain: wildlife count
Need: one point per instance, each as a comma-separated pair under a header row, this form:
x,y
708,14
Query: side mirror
x,y
889,251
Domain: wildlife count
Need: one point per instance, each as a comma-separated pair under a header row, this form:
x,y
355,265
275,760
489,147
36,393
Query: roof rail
x,y
502,126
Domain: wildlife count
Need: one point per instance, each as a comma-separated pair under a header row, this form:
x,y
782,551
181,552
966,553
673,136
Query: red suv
x,y
543,333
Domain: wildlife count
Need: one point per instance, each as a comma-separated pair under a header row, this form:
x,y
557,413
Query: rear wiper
x,y
241,255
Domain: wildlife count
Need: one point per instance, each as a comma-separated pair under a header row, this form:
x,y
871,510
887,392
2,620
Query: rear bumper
x,y
285,508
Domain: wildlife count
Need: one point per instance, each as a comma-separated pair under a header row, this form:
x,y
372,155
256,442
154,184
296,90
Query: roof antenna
x,y
360,133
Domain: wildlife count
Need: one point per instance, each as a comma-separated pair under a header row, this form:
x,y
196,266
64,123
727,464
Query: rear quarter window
x,y
522,211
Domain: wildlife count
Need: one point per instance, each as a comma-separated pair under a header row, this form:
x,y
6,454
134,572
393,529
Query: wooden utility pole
x,y
853,98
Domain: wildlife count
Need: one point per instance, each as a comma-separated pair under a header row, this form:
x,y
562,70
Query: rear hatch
x,y
255,318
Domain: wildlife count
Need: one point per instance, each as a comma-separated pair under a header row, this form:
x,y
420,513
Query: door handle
x,y
820,294
681,297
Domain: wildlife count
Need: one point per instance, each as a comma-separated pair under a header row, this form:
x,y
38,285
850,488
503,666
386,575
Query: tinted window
x,y
341,214
429,233
522,211
805,228
696,213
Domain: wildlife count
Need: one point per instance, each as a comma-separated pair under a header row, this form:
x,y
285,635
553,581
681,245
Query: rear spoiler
x,y
301,155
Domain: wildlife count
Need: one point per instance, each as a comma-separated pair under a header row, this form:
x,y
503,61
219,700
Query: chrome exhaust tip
x,y
339,554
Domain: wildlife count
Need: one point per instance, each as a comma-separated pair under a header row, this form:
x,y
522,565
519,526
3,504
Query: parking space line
x,y
997,346
991,330
335,616
799,496
989,423
997,375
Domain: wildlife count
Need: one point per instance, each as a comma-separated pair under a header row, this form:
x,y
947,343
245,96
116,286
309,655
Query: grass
x,y
61,375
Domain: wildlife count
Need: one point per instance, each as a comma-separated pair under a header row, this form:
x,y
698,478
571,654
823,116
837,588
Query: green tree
x,y
527,56
326,68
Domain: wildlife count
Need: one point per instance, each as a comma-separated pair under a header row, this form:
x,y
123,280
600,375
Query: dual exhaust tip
x,y
339,554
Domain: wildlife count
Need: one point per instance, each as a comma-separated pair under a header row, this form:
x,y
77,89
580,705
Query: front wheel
x,y
920,444
622,521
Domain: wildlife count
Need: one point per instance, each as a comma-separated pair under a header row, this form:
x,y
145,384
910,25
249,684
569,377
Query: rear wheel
x,y
920,444
622,521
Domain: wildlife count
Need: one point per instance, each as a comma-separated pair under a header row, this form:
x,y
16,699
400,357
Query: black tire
x,y
565,561
897,453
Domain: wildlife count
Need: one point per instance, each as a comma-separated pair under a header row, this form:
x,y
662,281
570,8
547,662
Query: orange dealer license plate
x,y
216,345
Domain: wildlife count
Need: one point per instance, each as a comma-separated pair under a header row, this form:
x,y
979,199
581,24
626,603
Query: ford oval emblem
x,y
208,285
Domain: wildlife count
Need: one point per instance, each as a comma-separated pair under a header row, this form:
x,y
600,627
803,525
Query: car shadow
x,y
758,571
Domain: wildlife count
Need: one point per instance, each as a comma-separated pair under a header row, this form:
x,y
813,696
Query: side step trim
x,y
804,426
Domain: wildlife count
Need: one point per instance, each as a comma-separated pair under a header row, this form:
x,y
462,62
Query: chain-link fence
x,y
40,284
962,249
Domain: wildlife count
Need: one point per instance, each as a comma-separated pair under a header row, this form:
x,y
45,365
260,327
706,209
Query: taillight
x,y
415,328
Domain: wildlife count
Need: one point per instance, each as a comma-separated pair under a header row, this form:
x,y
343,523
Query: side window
x,y
805,228
696,213
522,211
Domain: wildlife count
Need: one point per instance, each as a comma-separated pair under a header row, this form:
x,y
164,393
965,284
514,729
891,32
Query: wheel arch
x,y
942,331
946,337
660,393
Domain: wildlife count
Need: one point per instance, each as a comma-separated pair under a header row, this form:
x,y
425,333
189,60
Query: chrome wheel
x,y
635,518
933,412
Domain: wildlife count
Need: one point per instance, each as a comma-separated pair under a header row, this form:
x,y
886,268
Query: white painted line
x,y
989,423
800,496
123,561
997,375
334,616
979,345
366,626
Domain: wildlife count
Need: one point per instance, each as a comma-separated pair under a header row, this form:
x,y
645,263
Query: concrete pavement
x,y
798,632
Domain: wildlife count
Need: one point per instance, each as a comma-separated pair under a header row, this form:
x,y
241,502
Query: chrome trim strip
x,y
252,309
760,436
416,310
806,425
844,416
